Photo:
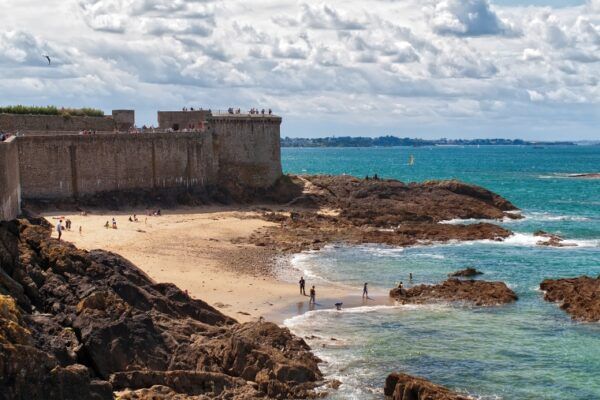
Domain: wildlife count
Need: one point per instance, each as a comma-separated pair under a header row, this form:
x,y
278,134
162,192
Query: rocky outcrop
x,y
551,240
77,324
400,386
479,293
465,273
580,297
352,210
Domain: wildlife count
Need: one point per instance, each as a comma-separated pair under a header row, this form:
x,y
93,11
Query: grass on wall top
x,y
52,110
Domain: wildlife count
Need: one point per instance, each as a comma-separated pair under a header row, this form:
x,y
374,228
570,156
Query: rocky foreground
x,y
406,387
479,293
83,325
580,297
352,210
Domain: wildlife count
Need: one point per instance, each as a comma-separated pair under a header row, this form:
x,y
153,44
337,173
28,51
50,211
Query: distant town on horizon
x,y
394,141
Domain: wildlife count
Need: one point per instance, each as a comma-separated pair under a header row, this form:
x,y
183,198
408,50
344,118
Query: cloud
x,y
468,18
419,65
327,17
532,55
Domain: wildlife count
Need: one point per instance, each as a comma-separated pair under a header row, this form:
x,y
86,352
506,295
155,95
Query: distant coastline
x,y
393,141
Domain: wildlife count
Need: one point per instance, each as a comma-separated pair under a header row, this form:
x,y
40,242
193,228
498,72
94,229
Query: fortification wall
x,y
73,166
40,123
10,192
179,120
248,149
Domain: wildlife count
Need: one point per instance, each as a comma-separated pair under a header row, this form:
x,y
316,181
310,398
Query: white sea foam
x,y
529,240
303,263
470,221
301,320
543,216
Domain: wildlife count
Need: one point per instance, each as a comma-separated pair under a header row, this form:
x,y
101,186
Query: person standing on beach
x,y
302,283
365,291
59,229
313,296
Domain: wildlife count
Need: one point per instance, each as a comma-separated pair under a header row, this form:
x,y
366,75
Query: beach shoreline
x,y
204,251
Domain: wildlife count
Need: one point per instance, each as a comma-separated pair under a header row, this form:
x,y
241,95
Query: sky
x,y
420,68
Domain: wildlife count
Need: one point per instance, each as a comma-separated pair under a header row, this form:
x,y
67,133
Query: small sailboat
x,y
411,160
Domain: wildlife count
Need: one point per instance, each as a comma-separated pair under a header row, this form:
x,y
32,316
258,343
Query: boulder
x,y
400,386
465,273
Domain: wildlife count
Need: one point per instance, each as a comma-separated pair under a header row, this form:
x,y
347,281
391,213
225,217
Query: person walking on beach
x,y
313,296
114,223
59,229
365,291
302,283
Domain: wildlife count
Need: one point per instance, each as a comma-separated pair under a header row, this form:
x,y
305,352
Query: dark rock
x,y
353,210
580,297
551,240
479,293
467,272
400,386
102,323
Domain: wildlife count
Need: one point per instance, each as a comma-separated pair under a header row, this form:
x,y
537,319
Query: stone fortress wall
x,y
227,150
10,192
53,167
50,123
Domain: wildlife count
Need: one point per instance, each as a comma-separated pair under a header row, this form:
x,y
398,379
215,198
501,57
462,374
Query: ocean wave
x,y
470,221
563,175
532,216
544,216
302,263
529,240
302,320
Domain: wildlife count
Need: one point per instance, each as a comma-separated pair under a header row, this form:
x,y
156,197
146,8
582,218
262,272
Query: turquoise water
x,y
529,350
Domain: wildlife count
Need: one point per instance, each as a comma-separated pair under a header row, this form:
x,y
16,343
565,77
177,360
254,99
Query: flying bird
x,y
47,58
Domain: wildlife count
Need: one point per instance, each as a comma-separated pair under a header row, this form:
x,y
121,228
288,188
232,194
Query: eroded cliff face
x,y
77,324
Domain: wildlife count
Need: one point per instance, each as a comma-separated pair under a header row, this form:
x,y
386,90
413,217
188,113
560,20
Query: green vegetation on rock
x,y
52,110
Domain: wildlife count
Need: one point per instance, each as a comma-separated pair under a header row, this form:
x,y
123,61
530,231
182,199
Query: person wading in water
x,y
313,296
365,291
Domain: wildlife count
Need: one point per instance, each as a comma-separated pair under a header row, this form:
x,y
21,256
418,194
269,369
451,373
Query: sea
x,y
527,350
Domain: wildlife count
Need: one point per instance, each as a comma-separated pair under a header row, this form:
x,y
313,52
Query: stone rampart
x,y
71,166
235,152
248,148
41,123
10,192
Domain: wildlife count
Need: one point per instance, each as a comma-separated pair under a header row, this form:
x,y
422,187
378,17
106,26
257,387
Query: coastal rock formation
x,y
580,297
551,240
400,386
479,293
352,210
77,324
465,273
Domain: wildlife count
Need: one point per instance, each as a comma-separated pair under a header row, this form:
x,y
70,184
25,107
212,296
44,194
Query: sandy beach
x,y
201,250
